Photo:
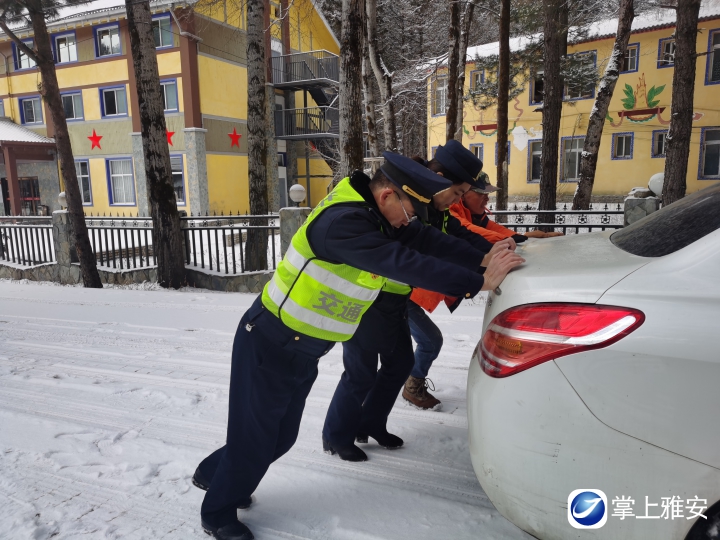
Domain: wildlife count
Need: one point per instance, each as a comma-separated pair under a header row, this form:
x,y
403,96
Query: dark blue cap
x,y
460,162
417,182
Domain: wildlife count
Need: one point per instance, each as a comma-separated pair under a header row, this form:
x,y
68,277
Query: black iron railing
x,y
310,122
313,67
121,243
26,241
525,218
218,243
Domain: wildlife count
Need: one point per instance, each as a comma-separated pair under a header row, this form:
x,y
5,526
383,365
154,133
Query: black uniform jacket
x,y
454,228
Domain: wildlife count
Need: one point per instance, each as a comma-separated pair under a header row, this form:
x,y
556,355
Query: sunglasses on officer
x,y
409,219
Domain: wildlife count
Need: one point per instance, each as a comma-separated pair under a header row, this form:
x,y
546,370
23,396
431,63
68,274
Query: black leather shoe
x,y
347,453
233,531
384,439
199,481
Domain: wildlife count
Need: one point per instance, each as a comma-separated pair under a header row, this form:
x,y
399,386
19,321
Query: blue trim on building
x,y
702,153
53,44
652,143
109,182
165,15
637,58
612,146
16,55
709,59
482,150
659,56
177,99
102,102
85,160
75,93
22,111
561,169
97,43
432,96
528,173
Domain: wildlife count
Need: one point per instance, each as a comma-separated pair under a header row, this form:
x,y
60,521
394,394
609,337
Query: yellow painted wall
x,y
304,23
102,74
227,183
169,63
613,177
223,88
98,180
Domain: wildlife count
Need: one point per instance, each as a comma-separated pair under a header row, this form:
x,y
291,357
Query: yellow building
x,y
201,52
633,142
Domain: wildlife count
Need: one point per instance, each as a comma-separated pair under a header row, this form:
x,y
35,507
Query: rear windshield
x,y
674,227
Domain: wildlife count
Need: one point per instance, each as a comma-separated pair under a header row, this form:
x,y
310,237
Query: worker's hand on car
x,y
503,245
541,234
499,267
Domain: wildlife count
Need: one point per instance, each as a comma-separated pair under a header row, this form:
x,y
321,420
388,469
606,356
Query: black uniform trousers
x,y
365,395
273,370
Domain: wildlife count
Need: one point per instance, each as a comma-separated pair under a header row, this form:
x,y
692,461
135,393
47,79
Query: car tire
x,y
707,529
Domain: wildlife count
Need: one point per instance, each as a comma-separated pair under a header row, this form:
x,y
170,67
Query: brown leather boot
x,y
415,392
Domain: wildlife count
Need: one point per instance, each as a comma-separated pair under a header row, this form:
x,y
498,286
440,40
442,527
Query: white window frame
x,y
633,48
118,112
439,97
70,47
656,136
111,30
178,174
576,146
714,50
24,58
77,103
166,34
164,87
582,94
667,53
84,177
704,148
534,149
622,142
37,110
121,183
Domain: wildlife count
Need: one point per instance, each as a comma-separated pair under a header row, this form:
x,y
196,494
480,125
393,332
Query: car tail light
x,y
525,336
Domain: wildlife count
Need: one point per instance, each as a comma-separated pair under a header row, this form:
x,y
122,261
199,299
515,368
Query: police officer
x,y
336,266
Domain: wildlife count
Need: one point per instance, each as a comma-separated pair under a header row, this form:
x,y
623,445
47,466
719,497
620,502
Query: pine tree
x,y
350,93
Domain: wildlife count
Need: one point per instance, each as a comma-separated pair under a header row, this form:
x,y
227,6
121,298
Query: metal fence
x,y
311,121
26,241
120,242
218,243
599,218
312,66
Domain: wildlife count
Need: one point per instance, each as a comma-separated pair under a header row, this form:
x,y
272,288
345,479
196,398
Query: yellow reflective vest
x,y
321,299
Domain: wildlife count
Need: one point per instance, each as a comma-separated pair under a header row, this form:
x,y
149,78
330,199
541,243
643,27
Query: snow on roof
x,y
654,20
11,132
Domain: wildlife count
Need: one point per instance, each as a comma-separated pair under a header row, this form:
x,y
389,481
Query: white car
x,y
594,394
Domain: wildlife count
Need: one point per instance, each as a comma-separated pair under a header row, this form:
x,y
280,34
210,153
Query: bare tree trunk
x,y
683,90
554,39
369,93
467,18
167,235
452,69
383,77
589,156
502,105
50,92
351,55
256,246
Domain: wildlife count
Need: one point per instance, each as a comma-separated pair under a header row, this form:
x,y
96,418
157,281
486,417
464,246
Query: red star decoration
x,y
235,138
170,136
95,140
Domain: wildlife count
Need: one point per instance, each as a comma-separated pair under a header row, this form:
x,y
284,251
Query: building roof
x,y
11,132
645,22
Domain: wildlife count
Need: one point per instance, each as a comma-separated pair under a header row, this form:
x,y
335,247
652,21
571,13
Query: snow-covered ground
x,y
110,398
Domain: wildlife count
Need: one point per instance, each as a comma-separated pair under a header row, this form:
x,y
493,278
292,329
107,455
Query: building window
x,y
73,106
572,148
170,95
107,41
710,159
22,60
632,57
2,108
478,150
432,152
65,48
538,85
282,156
666,53
176,164
622,146
535,162
162,33
581,87
122,184
31,111
659,142
508,153
439,101
113,101
713,60
82,170
476,79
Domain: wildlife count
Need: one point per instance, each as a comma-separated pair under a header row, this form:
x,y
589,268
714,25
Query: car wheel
x,y
707,529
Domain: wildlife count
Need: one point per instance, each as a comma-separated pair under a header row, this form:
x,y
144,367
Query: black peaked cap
x,y
460,157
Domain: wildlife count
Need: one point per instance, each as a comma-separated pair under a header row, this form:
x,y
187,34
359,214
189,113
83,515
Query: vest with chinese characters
x,y
321,299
